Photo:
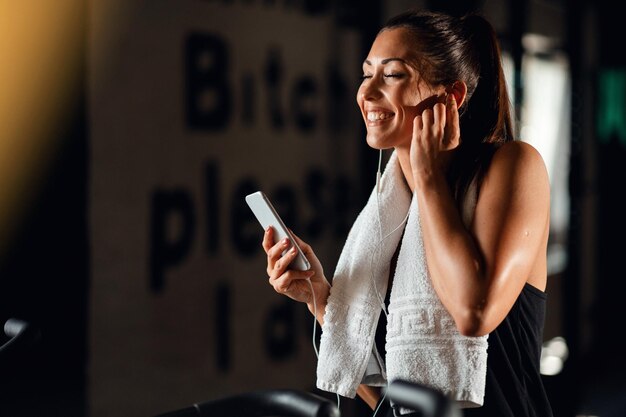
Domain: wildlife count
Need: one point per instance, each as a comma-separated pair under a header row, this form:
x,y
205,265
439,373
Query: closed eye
x,y
392,75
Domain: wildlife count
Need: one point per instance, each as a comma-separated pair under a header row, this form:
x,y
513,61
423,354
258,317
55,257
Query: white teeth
x,y
374,115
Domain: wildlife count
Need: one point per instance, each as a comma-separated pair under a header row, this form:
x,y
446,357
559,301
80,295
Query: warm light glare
x,y
40,51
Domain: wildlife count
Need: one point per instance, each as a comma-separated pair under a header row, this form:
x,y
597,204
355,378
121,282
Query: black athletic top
x,y
514,387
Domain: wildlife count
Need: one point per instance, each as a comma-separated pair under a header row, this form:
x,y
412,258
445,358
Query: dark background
x,y
45,281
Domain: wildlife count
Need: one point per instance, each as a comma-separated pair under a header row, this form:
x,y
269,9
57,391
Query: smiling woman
x,y
441,281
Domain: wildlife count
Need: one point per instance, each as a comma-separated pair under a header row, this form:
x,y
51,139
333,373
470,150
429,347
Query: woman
x,y
455,233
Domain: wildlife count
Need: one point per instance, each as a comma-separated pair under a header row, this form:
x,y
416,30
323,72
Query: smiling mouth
x,y
374,116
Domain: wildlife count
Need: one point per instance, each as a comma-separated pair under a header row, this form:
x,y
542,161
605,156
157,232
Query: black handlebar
x,y
431,402
21,333
278,403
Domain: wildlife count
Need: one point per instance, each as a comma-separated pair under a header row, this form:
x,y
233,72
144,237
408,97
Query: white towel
x,y
423,344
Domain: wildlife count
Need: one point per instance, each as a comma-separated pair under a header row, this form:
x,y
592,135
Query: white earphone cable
x,y
314,337
377,253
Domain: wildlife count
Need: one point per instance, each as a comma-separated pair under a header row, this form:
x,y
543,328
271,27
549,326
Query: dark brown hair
x,y
466,49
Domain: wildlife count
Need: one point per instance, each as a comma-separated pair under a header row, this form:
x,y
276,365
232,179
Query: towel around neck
x,y
423,344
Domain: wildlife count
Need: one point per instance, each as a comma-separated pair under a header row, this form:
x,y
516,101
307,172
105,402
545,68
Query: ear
x,y
459,89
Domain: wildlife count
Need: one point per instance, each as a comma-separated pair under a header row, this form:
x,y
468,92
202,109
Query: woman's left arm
x,y
479,273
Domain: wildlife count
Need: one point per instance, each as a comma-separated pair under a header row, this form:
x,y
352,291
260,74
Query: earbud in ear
x,y
457,97
458,89
453,94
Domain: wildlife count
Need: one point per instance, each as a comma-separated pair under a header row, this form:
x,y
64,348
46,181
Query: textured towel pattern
x,y
423,344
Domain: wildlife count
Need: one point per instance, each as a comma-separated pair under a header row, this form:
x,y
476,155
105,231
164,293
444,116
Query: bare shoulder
x,y
519,151
519,160
517,175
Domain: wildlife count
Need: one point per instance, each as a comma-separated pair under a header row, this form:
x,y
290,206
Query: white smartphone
x,y
267,216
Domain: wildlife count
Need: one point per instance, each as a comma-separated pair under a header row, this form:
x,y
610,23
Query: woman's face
x,y
392,92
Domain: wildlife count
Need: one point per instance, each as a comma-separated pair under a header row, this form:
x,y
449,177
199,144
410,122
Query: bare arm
x,y
370,395
479,273
294,285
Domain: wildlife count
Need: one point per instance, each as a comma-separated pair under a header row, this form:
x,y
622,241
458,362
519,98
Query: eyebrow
x,y
385,61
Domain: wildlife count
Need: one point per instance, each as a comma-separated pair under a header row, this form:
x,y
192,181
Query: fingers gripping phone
x,y
267,216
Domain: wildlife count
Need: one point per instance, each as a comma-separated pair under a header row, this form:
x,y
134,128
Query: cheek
x,y
409,103
411,97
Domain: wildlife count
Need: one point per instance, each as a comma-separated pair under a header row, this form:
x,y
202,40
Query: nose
x,y
370,89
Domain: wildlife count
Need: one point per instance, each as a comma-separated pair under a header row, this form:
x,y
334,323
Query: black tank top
x,y
514,387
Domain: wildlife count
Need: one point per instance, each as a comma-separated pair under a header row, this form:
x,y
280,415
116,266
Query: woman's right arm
x,y
370,395
292,283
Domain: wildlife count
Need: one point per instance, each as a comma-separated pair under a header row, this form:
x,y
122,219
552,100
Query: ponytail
x,y
487,117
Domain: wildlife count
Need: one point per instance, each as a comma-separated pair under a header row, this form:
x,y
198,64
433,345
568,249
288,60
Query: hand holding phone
x,y
267,216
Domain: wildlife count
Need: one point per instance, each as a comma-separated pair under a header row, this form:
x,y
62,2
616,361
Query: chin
x,y
378,144
375,142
